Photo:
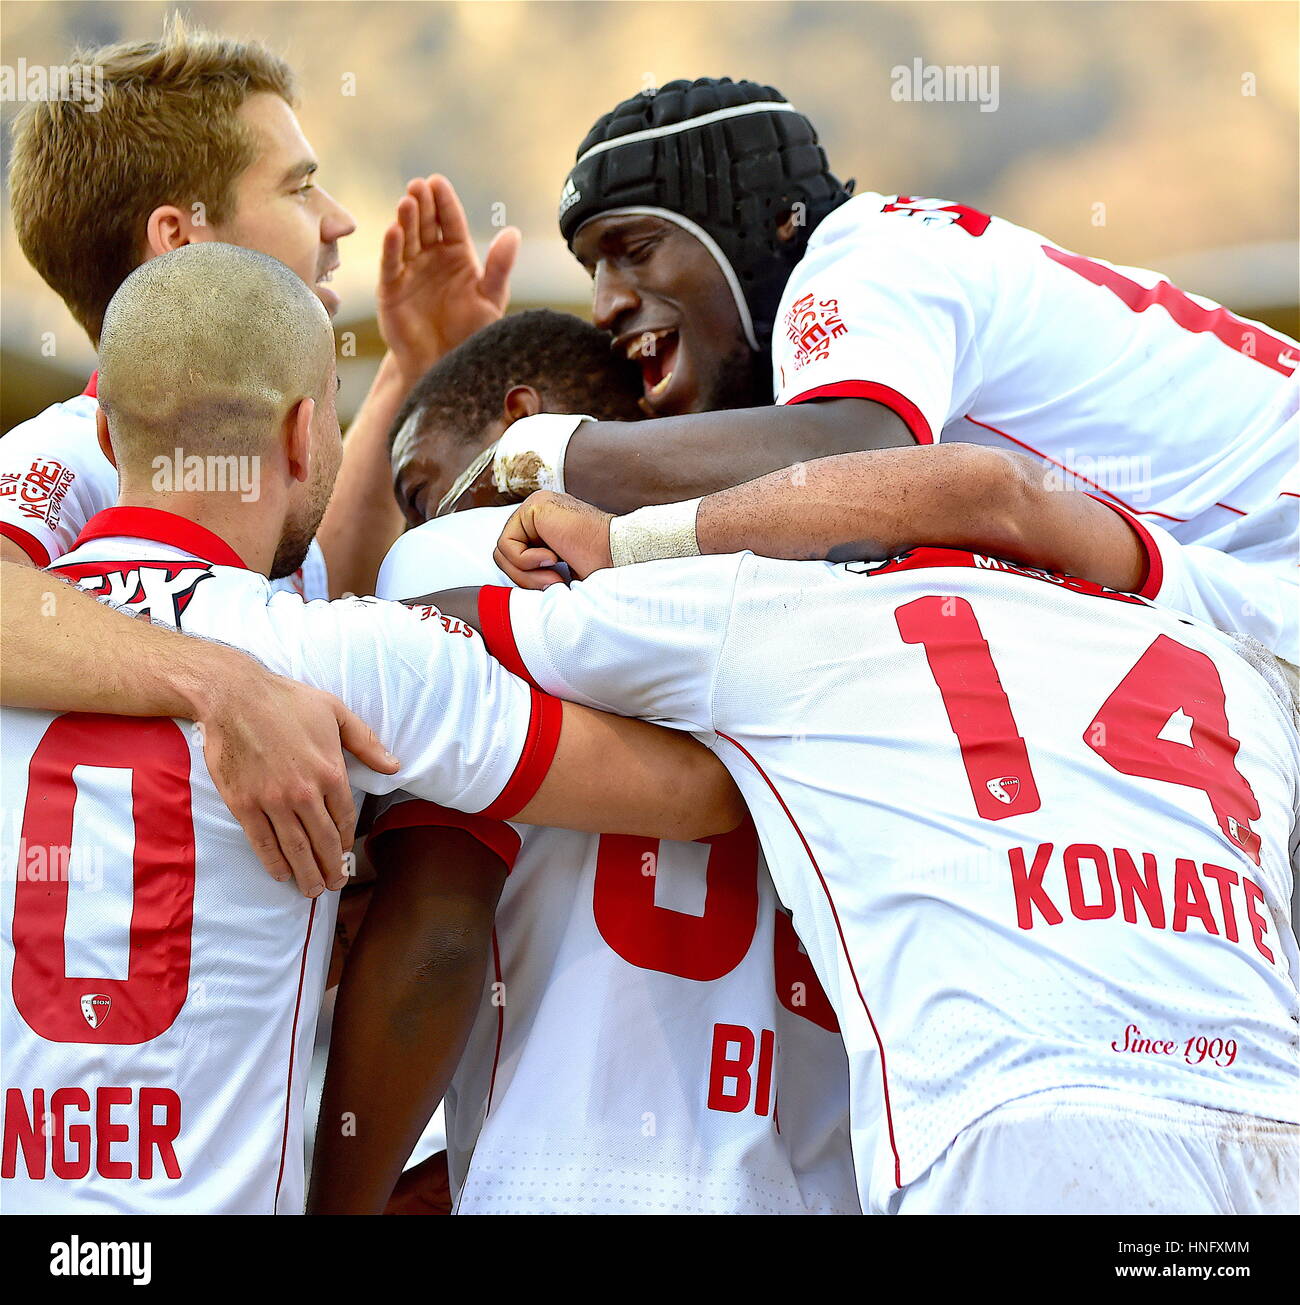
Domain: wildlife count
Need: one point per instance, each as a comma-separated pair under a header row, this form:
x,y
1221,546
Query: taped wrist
x,y
530,455
651,534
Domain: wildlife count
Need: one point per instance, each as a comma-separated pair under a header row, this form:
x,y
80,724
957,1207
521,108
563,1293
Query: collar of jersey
x,y
92,386
163,528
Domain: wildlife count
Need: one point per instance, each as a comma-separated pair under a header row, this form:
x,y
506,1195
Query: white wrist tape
x,y
653,533
530,455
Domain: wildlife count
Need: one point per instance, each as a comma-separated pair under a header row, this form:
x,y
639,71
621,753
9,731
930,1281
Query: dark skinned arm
x,y
620,466
868,506
410,993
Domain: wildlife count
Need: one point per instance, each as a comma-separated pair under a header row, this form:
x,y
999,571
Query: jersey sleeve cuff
x,y
495,835
539,751
30,545
1154,576
498,634
899,404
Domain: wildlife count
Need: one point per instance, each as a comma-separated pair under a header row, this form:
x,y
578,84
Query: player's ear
x,y
521,401
168,228
790,224
101,433
297,438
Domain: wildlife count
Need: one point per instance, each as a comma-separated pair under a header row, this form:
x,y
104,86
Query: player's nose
x,y
336,221
613,295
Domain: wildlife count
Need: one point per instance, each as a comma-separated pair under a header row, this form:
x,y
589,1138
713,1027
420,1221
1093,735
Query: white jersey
x,y
971,328
652,1038
1034,834
160,989
54,477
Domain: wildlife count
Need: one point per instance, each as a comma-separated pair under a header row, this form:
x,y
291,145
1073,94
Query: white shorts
x,y
1101,1151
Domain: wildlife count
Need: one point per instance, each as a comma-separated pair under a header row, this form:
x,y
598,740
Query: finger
x,y
261,838
296,846
360,740
390,254
430,232
535,558
408,214
451,212
500,262
326,846
342,808
540,579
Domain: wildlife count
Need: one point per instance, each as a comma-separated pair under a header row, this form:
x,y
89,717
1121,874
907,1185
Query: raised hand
x,y
433,292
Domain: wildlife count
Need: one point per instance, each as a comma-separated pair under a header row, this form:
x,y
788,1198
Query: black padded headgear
x,y
725,160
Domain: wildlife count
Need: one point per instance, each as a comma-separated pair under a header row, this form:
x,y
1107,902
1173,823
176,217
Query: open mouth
x,y
326,293
655,352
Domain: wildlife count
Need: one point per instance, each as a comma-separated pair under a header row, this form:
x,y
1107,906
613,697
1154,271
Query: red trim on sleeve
x,y
494,621
534,761
1155,571
495,835
28,543
92,386
898,404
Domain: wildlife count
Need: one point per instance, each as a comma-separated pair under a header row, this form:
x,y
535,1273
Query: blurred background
x,y
1159,134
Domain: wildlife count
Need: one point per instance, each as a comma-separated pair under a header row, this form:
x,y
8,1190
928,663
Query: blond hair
x,y
83,181
209,346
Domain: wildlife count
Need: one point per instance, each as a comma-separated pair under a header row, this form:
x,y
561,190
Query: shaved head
x,y
217,353
209,347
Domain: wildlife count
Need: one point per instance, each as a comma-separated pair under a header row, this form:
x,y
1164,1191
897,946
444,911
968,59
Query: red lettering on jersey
x,y
1258,925
107,1132
811,325
1028,887
25,1131
1190,899
1225,878
933,212
40,490
763,1082
158,1134
61,1101
74,1130
753,1083
1134,887
723,1066
1080,907
1246,338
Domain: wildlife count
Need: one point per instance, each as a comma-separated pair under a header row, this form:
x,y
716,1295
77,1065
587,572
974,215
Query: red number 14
x,y
1168,678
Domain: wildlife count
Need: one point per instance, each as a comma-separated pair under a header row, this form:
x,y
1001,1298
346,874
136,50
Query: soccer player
x,y
651,1038
732,265
196,139
1036,836
160,991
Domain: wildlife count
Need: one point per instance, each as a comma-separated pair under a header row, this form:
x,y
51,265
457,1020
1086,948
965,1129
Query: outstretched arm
x,y
867,505
621,465
273,746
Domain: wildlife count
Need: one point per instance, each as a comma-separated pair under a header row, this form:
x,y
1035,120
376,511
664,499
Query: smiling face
x,y
665,300
280,209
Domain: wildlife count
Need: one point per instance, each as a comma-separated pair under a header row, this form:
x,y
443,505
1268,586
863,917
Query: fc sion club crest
x,y
95,1007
